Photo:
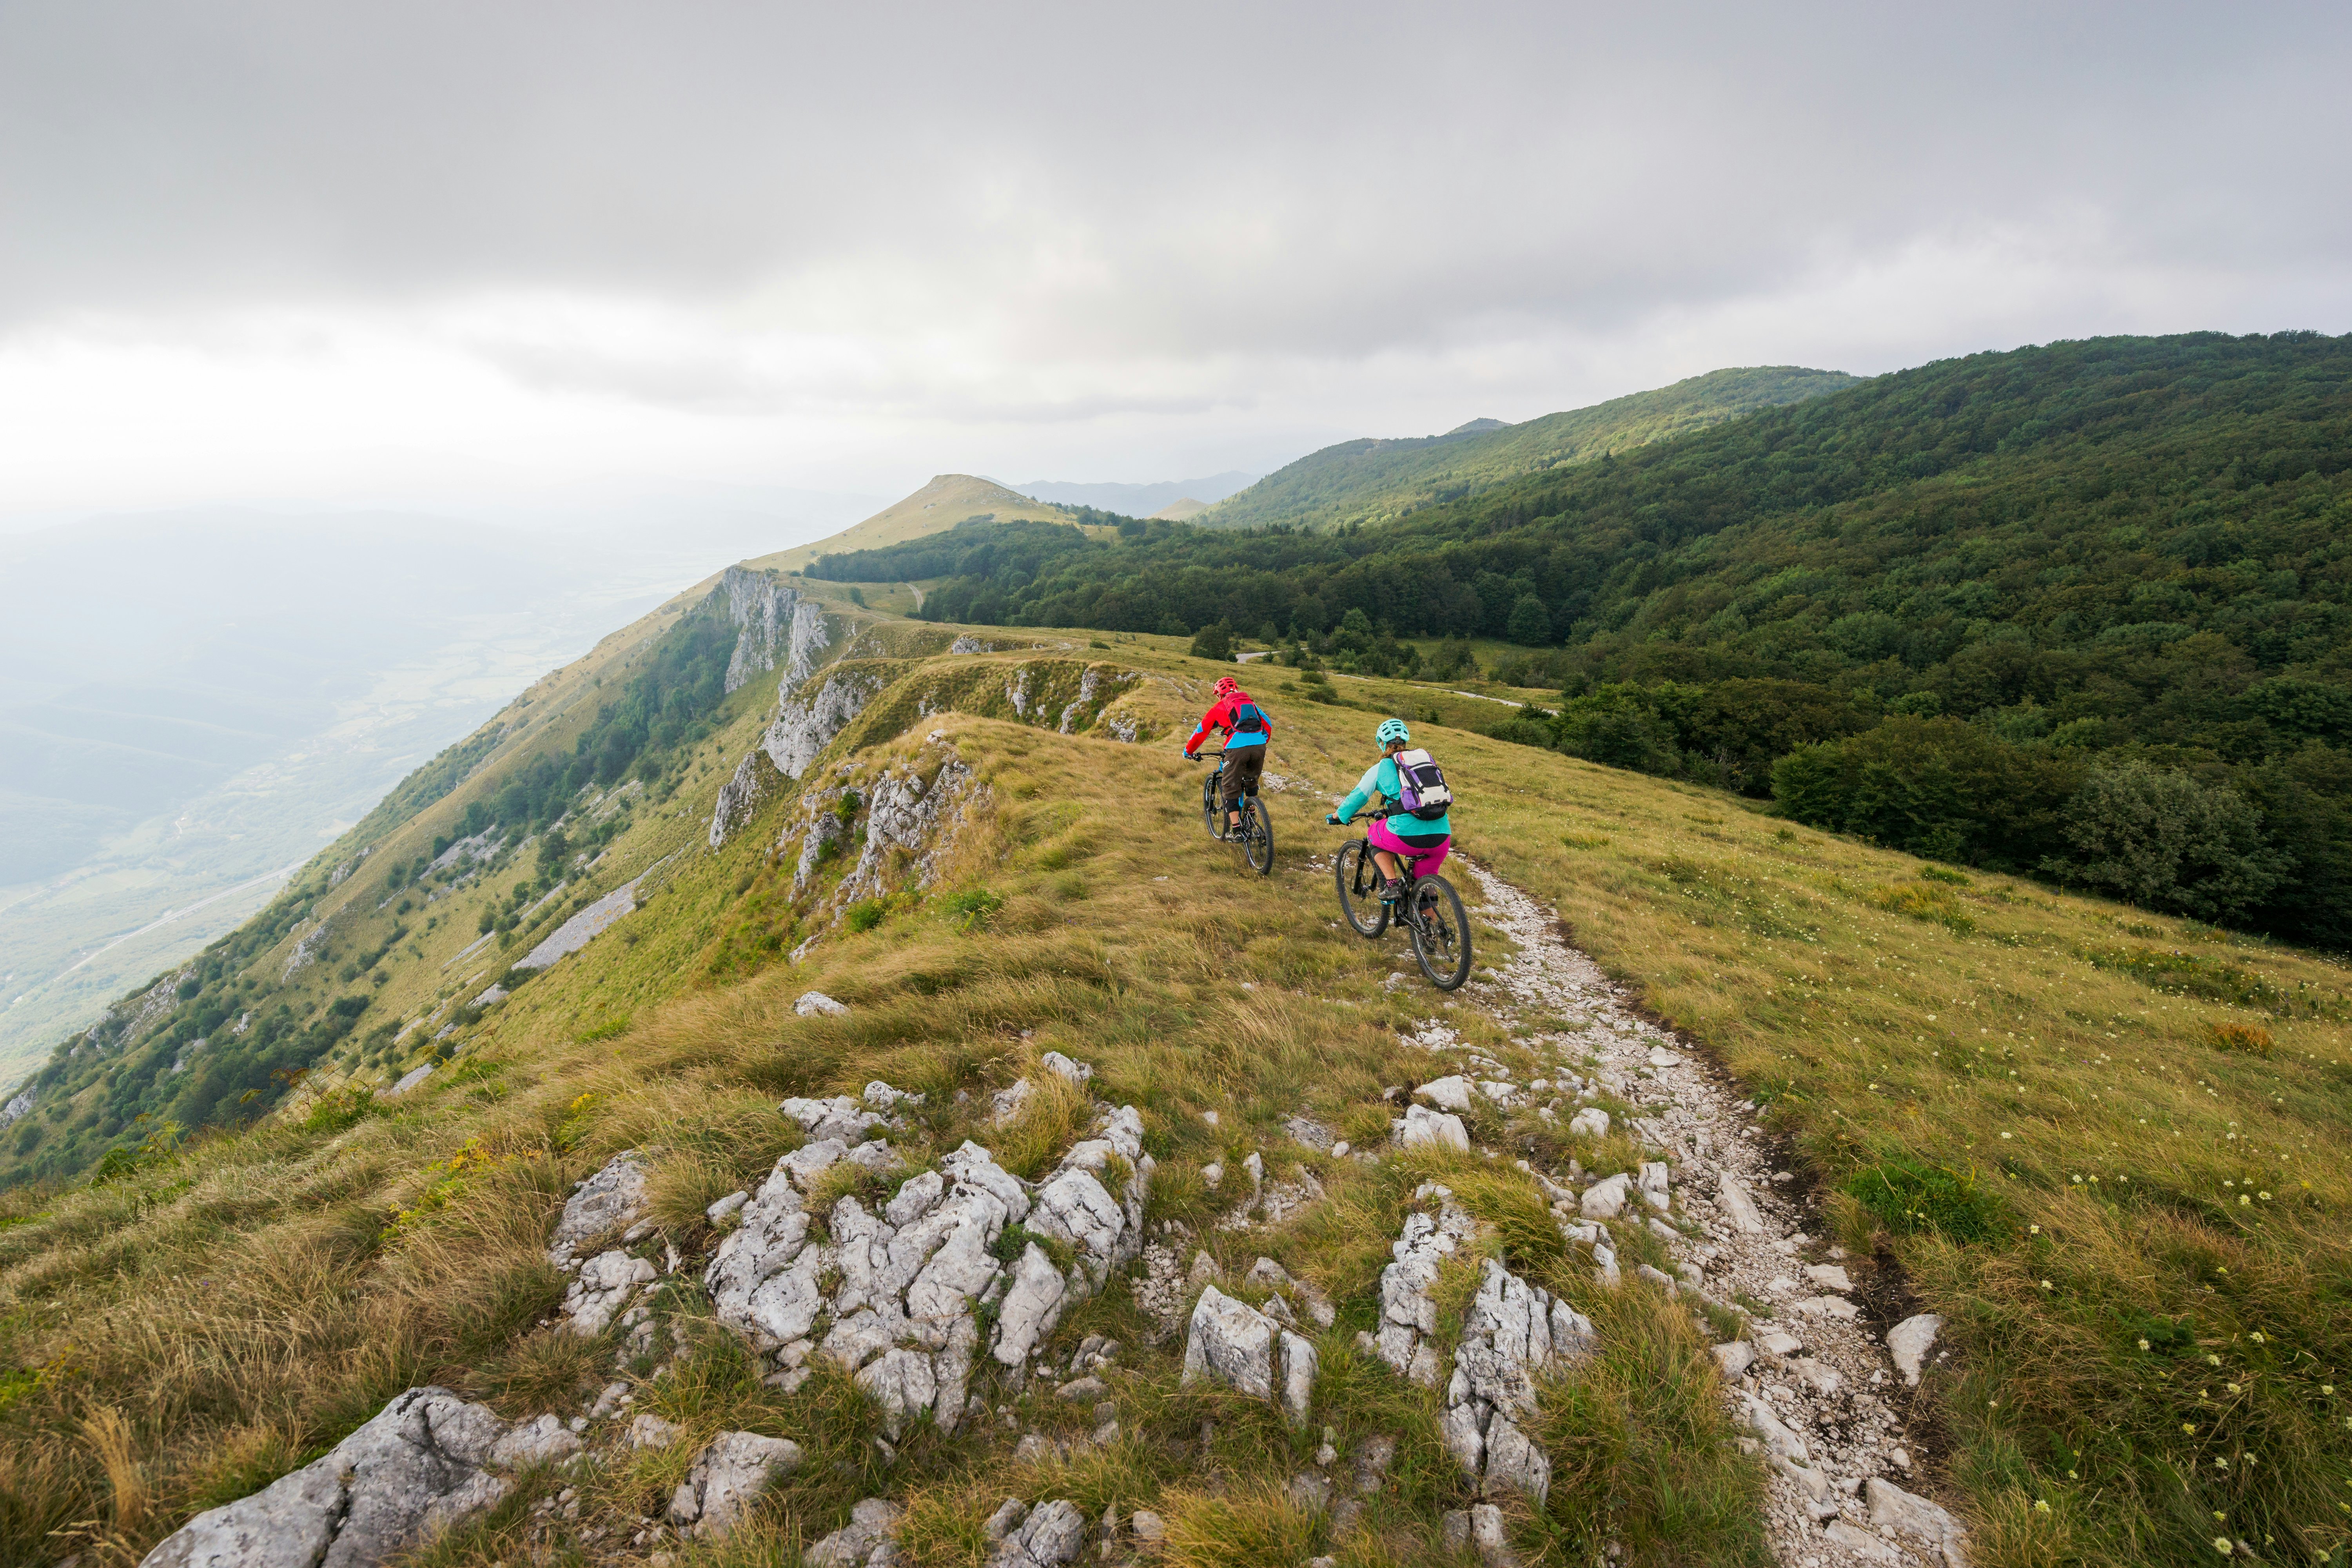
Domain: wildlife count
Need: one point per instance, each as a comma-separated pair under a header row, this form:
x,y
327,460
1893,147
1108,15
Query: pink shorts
x,y
1423,858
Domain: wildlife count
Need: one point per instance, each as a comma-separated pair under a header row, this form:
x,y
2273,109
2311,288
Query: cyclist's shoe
x,y
1392,890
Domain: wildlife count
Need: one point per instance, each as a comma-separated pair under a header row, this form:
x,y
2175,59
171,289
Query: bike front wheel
x,y
1213,812
1359,880
1441,933
1257,837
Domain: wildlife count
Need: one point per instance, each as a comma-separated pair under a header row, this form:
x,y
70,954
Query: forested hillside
x,y
1369,480
2080,609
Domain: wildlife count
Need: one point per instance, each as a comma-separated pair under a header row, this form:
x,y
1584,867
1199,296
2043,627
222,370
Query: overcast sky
x,y
526,254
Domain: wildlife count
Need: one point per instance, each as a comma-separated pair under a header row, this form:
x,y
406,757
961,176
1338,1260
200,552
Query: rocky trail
x,y
1821,1390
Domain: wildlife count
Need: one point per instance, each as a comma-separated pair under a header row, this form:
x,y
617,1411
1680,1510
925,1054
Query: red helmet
x,y
1227,685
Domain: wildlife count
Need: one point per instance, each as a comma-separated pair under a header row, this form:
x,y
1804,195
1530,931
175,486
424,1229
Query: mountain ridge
x,y
1372,478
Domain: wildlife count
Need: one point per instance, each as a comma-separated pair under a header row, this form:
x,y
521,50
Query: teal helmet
x,y
1392,730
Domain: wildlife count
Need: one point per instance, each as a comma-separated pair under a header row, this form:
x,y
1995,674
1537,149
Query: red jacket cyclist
x,y
1247,729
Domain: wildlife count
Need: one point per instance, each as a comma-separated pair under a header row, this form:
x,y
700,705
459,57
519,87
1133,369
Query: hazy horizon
x,y
840,252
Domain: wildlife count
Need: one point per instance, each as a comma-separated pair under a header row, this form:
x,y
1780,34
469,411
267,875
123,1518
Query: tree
x,y
1214,641
1530,624
2160,838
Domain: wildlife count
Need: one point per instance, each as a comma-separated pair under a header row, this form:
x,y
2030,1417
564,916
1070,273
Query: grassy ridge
x,y
203,1324
1371,480
182,1334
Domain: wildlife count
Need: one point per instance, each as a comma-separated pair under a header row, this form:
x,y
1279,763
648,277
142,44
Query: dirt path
x,y
1813,1382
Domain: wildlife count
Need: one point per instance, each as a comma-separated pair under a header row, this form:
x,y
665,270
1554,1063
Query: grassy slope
x,y
1373,479
243,1306
240,1308
939,506
2039,1074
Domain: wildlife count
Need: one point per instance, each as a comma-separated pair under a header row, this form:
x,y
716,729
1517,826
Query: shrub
x,y
2158,838
1214,641
1910,1195
1931,904
2251,1038
866,915
970,909
339,1108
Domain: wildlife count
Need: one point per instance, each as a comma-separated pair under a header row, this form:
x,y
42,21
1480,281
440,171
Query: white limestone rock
x,y
816,1004
1606,1200
1589,1122
1738,1207
904,1284
1408,1315
1447,1093
1053,1534
1231,1342
544,1441
726,1478
1079,1073
1893,1508
416,1468
1860,1542
805,724
840,1118
606,1285
1909,1341
612,1200
863,1542
1512,1332
1439,1130
741,797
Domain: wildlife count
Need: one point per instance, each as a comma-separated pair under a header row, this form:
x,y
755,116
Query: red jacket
x,y
1221,717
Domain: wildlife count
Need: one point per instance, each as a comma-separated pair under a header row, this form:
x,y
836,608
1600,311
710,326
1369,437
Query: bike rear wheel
x,y
1257,837
1359,880
1441,933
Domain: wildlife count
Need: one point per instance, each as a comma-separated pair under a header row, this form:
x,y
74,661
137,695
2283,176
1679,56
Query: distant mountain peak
x,y
1479,426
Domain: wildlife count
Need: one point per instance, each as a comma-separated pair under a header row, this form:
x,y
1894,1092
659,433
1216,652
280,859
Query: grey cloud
x,y
1097,183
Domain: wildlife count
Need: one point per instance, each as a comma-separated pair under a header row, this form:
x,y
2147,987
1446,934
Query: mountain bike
x,y
1255,836
1429,908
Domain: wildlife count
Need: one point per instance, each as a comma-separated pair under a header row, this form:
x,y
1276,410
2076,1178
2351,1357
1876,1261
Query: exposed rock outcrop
x,y
863,1542
424,1462
611,1201
728,1477
1046,1536
1408,1312
776,626
890,1296
1231,1342
905,813
585,927
893,1296
740,798
805,724
1513,1330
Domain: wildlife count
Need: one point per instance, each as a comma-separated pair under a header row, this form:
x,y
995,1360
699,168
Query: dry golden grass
x,y
185,1334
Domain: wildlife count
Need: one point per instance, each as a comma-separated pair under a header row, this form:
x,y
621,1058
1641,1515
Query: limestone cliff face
x,y
740,797
805,724
778,628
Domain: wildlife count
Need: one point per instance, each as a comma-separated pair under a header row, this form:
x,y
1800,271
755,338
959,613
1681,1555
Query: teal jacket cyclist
x,y
1425,841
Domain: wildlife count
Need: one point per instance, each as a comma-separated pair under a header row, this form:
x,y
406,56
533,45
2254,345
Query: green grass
x,y
1997,1087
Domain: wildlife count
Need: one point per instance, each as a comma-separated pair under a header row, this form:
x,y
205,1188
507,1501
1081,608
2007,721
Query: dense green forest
x,y
2082,610
1371,479
235,1036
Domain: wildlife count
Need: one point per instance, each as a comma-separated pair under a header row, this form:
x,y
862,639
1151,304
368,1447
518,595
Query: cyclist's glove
x,y
1333,819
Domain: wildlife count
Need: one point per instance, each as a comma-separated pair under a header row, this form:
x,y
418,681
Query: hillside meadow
x,y
2107,1146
